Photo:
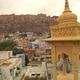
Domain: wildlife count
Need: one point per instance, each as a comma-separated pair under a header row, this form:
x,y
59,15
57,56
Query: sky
x,y
49,7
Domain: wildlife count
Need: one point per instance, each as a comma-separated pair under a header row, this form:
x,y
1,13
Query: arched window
x,y
64,60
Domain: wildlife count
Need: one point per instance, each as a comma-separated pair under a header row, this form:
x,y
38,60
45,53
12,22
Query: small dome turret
x,y
67,14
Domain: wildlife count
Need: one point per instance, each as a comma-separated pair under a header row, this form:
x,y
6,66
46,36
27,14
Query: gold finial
x,y
66,9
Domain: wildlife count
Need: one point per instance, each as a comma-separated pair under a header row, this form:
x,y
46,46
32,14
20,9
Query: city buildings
x,y
36,70
4,55
10,66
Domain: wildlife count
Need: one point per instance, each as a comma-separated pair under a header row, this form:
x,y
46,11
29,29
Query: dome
x,y
65,77
67,16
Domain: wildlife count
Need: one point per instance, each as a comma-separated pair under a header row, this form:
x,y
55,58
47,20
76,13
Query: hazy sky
x,y
49,7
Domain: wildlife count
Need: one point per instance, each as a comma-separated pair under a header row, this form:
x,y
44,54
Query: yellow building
x,y
65,40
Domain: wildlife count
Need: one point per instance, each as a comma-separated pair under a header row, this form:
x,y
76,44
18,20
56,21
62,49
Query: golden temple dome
x,y
67,14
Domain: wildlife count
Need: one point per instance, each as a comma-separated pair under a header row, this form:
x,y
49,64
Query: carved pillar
x,y
75,61
64,69
54,60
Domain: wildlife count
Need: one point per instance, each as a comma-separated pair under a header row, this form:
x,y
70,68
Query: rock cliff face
x,y
23,23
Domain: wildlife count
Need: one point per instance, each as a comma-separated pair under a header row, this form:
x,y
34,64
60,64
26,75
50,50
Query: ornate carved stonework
x,y
65,38
66,32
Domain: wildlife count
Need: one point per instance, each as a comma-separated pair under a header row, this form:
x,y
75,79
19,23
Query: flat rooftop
x,y
11,62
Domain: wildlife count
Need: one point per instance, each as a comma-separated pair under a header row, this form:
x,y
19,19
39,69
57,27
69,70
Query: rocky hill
x,y
23,23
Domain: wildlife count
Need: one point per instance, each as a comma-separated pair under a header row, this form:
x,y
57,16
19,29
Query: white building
x,y
37,70
5,54
10,68
38,43
22,56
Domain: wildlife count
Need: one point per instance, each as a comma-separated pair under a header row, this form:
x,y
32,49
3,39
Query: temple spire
x,y
67,9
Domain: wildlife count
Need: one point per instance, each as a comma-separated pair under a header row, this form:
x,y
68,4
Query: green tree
x,y
7,45
18,51
26,60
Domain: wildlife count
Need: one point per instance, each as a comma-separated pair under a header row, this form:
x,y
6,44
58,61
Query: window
x,y
37,75
33,74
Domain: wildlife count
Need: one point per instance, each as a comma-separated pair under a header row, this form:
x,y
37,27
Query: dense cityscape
x,y
24,54
23,49
40,47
